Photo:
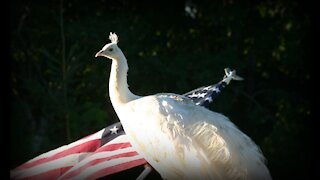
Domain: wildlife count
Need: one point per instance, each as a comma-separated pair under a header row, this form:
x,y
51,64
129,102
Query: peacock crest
x,y
113,38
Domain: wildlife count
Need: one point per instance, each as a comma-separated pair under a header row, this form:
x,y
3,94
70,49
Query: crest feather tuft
x,y
113,38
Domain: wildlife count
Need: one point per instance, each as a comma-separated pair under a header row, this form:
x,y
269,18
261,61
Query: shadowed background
x,y
59,90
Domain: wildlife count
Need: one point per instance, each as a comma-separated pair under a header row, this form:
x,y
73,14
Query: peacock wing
x,y
158,134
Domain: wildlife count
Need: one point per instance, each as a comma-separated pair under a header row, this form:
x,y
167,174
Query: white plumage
x,y
178,138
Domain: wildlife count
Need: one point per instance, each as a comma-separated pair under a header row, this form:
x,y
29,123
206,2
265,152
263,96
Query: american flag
x,y
100,154
105,152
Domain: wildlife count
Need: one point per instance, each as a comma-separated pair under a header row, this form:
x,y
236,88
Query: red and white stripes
x,y
82,159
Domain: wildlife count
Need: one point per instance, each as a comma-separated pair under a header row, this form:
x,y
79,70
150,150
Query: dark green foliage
x,y
60,90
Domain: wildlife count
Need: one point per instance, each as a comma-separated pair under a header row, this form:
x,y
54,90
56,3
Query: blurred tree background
x,y
59,90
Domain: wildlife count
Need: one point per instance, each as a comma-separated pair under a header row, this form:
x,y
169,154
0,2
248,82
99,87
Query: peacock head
x,y
111,50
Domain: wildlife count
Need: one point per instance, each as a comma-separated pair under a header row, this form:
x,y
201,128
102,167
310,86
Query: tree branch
x,y
64,73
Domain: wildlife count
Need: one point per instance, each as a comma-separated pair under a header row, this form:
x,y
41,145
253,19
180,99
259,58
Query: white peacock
x,y
178,138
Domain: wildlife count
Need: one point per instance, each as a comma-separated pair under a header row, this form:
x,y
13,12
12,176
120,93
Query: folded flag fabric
x,y
100,154
84,159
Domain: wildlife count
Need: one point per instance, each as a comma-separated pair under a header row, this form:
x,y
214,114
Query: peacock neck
x,y
118,87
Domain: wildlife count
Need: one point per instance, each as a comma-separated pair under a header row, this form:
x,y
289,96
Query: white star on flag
x,y
193,95
207,88
209,99
114,130
201,95
216,89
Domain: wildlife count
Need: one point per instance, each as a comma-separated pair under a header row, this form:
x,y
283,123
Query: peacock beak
x,y
99,53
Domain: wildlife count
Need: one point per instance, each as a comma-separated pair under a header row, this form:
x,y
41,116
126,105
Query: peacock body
x,y
178,138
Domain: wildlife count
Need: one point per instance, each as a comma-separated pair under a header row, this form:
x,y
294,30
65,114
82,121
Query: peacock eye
x,y
111,49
